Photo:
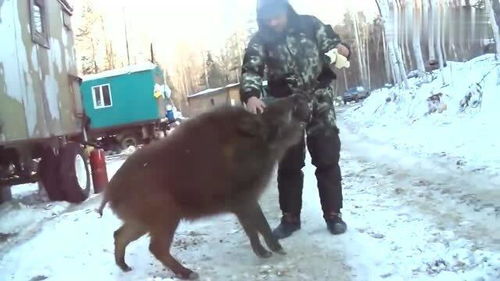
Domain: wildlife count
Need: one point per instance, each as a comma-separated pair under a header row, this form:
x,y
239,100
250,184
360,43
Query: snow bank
x,y
466,136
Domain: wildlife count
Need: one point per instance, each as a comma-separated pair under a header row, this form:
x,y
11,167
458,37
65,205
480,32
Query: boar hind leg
x,y
123,236
161,240
247,217
264,229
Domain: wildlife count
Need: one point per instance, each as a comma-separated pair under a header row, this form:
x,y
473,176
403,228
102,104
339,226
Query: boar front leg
x,y
161,240
247,216
264,229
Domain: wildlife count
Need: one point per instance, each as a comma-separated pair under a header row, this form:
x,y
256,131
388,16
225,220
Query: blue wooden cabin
x,y
127,96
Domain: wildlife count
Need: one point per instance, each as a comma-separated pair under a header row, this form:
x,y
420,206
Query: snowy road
x,y
409,219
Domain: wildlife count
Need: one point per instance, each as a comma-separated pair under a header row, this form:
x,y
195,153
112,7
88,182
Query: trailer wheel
x,y
128,141
48,171
74,173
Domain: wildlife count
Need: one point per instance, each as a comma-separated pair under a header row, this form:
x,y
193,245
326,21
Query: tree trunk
x,y
407,8
432,32
398,47
388,69
390,35
389,39
425,22
417,50
442,16
452,48
390,19
368,72
436,15
496,11
494,25
360,50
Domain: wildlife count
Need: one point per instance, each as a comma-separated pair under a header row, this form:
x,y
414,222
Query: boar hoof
x,y
125,267
188,276
275,246
264,254
280,251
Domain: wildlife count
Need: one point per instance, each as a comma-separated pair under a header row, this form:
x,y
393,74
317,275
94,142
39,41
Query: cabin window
x,y
38,20
102,96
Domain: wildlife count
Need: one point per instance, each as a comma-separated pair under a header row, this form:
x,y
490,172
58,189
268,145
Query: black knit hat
x,y
267,9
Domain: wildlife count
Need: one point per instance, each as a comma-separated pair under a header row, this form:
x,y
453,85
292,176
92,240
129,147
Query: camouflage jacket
x,y
293,60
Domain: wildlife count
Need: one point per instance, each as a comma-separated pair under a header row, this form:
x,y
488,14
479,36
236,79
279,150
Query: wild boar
x,y
218,162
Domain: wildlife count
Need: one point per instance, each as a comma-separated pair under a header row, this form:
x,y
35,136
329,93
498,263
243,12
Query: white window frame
x,y
102,96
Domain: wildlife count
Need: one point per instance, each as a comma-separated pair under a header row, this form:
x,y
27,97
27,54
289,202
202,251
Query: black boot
x,y
335,223
289,224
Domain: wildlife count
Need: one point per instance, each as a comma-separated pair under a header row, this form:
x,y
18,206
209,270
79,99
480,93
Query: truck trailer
x,y
41,112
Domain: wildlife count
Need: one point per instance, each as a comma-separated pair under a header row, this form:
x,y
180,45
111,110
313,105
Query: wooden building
x,y
207,99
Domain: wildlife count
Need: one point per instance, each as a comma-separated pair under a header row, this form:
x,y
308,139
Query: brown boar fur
x,y
217,162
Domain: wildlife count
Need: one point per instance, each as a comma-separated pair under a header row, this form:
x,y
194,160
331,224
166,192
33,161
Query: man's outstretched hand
x,y
255,105
343,50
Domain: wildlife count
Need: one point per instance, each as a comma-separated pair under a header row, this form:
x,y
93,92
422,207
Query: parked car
x,y
355,94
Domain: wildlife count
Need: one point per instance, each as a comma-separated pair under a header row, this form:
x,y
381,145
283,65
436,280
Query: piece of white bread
x,y
338,60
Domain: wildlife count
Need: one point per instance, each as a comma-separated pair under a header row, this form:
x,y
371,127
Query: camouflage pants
x,y
323,111
323,143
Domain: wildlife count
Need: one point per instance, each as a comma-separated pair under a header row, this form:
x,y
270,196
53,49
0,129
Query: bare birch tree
x,y
496,10
417,30
494,25
405,8
397,47
360,50
432,28
390,17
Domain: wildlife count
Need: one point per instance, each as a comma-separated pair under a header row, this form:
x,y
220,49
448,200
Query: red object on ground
x,y
99,172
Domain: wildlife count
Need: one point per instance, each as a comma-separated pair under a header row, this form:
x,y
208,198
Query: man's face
x,y
278,22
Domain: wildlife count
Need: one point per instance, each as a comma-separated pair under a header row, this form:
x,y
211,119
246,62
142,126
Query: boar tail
x,y
103,204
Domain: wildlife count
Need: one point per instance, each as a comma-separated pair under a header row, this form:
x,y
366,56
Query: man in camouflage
x,y
292,51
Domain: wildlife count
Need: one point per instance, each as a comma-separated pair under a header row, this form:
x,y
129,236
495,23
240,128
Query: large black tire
x,y
74,173
48,172
5,194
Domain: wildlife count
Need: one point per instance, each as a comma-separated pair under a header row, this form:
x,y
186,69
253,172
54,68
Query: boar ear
x,y
250,126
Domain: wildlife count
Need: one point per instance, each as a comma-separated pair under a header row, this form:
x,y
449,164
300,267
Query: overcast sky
x,y
203,24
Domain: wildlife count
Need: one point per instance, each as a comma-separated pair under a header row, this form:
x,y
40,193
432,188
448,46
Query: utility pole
x,y
205,66
152,53
126,35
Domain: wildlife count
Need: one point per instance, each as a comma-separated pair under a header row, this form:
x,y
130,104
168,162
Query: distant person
x,y
296,51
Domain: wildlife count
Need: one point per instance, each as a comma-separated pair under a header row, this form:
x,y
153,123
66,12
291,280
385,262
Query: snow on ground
x,y
468,138
430,226
402,226
421,203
